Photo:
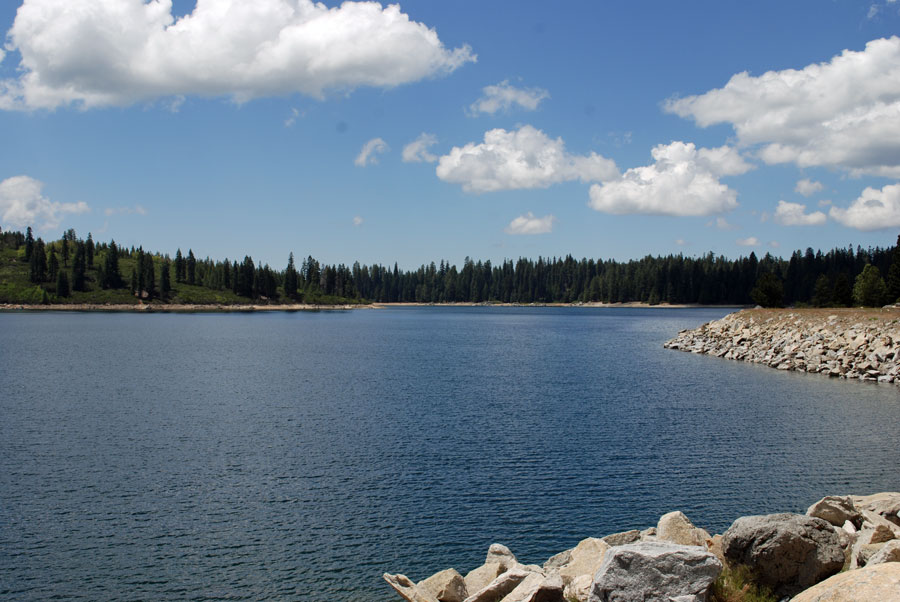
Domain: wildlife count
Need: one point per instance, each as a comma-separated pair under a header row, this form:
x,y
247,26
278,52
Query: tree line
x,y
839,277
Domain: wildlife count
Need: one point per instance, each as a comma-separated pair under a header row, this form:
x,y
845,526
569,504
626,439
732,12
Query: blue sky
x,y
598,129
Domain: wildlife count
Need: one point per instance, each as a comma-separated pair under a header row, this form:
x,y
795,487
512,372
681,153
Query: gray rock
x,y
554,562
837,510
625,537
655,572
408,590
886,505
446,586
787,552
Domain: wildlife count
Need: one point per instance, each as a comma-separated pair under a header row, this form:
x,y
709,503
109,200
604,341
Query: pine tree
x,y
893,277
290,279
165,287
62,284
843,293
79,267
191,267
53,265
38,263
111,276
179,266
29,244
89,247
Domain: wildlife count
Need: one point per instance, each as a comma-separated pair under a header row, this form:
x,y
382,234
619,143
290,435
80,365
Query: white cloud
x,y
292,120
417,150
774,244
873,210
125,210
357,221
529,224
370,151
748,242
524,158
722,224
824,203
844,113
503,96
22,205
117,52
681,242
808,187
794,214
683,180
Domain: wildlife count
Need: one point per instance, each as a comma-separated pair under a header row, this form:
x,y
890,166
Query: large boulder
x,y
584,561
537,588
675,527
885,504
837,510
786,552
652,571
408,590
446,586
625,537
889,552
498,561
873,583
497,589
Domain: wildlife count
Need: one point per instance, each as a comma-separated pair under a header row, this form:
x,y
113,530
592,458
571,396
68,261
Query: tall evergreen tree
x,y
29,243
290,279
79,267
165,287
893,277
179,266
62,284
191,267
52,265
112,278
869,289
89,247
38,263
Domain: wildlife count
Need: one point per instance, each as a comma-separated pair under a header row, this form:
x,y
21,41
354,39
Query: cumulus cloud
x,y
524,158
808,187
118,52
417,150
22,205
751,241
503,97
684,180
844,113
370,151
529,224
873,210
794,214
137,209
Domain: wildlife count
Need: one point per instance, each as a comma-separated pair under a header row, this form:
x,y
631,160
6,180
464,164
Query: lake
x,y
298,456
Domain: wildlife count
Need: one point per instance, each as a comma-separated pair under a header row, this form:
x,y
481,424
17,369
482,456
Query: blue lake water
x,y
299,456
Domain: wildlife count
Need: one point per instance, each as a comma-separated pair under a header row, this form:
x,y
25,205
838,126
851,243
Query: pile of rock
x,y
789,553
857,344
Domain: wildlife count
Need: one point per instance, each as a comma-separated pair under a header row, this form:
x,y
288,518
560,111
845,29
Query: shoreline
x,y
249,308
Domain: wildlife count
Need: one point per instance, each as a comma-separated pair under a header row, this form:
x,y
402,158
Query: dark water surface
x,y
300,455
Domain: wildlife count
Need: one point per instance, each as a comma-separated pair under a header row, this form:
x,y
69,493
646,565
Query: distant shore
x,y
246,308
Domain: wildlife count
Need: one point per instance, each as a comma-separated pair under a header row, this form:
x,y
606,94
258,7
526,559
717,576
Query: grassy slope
x,y
16,288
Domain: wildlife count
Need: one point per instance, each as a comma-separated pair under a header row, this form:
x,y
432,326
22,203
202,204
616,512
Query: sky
x,y
432,130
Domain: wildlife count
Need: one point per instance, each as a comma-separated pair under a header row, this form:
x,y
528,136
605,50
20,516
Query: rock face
x,y
408,590
879,583
446,586
586,558
837,510
655,571
675,527
889,552
837,342
787,552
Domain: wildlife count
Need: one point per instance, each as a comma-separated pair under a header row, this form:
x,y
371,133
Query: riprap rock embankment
x,y
843,549
845,343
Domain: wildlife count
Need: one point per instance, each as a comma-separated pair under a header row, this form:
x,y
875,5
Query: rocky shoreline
x,y
843,549
859,344
170,307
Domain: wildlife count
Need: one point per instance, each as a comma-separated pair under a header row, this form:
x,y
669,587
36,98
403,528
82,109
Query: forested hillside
x,y
74,270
